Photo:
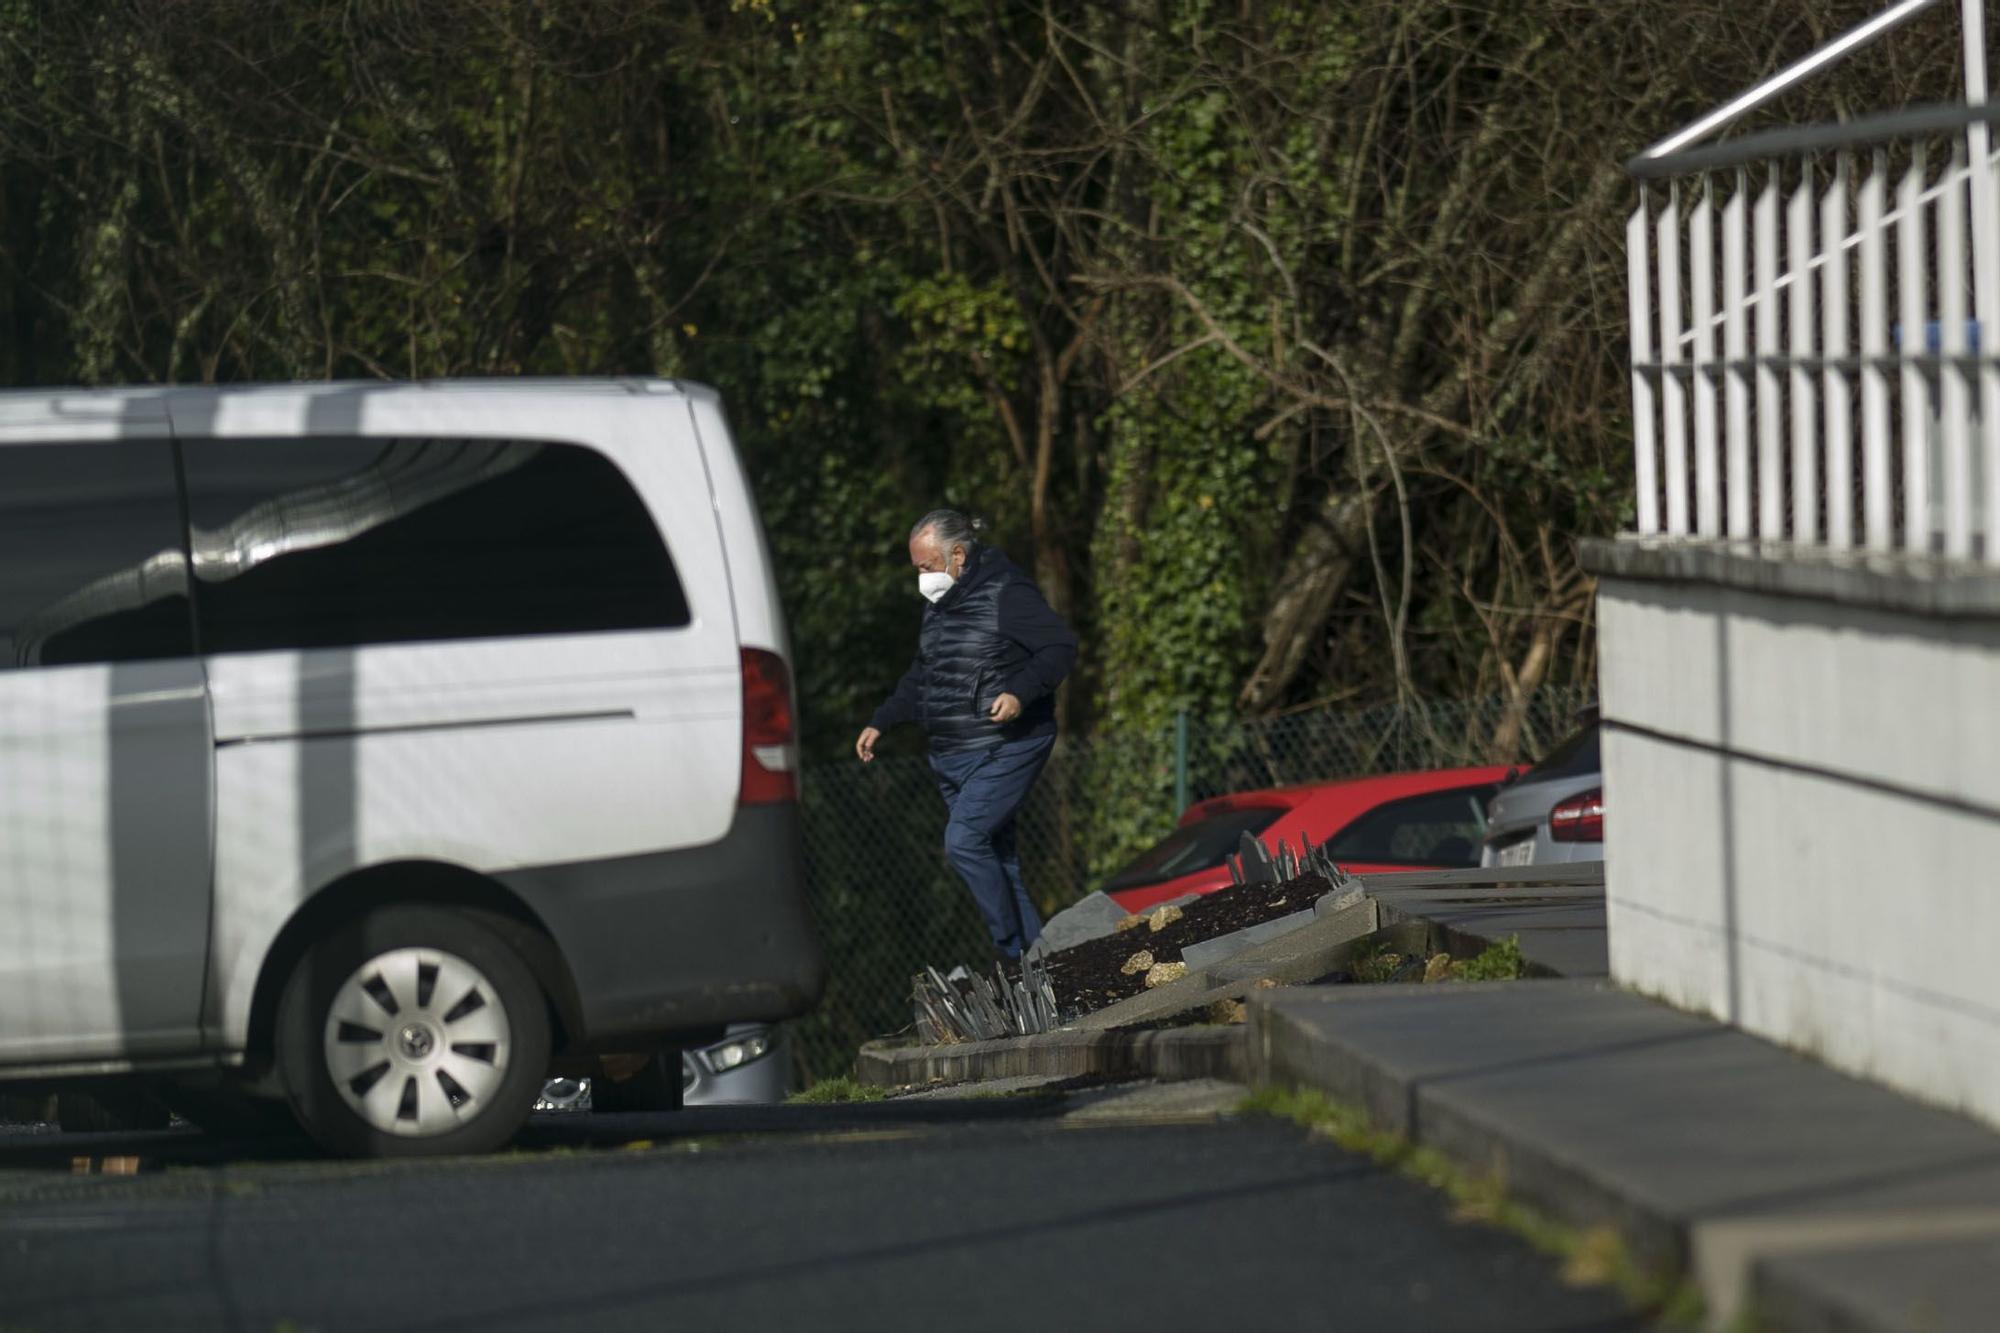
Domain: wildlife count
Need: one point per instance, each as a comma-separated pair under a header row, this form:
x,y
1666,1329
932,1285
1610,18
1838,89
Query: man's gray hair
x,y
950,527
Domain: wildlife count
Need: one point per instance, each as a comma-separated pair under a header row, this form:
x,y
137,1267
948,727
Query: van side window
x,y
337,542
92,567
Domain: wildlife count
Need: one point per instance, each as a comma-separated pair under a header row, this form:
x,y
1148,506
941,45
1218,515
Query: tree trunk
x,y
1296,617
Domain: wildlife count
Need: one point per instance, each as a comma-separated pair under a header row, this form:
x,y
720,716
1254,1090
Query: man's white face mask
x,y
935,583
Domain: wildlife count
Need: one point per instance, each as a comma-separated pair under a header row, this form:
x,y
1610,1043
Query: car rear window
x,y
1202,845
1574,758
1439,828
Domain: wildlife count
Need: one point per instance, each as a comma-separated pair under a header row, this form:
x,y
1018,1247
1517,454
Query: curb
x,y
1782,1191
1168,1053
1287,1053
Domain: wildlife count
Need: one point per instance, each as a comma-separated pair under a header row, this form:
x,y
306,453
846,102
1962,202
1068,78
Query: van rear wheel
x,y
414,1031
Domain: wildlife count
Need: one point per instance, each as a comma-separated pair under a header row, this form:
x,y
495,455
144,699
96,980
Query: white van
x,y
387,745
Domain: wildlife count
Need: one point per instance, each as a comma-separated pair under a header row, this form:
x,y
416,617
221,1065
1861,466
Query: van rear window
x,y
332,542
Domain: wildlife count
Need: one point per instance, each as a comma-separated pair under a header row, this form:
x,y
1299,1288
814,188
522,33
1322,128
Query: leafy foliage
x,y
1281,342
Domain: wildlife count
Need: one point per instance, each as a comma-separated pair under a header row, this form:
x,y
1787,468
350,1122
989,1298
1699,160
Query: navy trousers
x,y
983,789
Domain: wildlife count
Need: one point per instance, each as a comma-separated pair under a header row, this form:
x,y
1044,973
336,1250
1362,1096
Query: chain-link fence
x,y
888,902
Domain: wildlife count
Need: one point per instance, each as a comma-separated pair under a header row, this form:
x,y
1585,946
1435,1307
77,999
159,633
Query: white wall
x,y
1803,832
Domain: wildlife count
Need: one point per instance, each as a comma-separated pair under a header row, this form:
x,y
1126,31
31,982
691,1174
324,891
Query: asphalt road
x,y
1098,1210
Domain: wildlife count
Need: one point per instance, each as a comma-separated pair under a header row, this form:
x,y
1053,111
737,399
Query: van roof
x,y
40,403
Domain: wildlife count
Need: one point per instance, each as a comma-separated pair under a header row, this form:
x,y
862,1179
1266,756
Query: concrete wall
x,y
1803,799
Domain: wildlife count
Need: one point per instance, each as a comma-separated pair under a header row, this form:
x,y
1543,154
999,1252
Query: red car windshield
x,y
1436,828
1202,845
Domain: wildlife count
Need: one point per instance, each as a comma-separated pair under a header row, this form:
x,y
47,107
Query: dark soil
x,y
1088,977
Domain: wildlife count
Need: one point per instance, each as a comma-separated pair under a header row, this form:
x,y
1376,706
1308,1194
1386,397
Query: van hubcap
x,y
417,1042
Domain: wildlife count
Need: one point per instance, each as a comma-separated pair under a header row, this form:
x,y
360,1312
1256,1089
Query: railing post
x,y
1639,300
1956,414
1701,277
1985,274
1837,422
1770,389
1913,296
1800,350
1673,393
1735,352
1875,493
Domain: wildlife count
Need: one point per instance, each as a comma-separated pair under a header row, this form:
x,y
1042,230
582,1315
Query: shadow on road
x,y
911,1250
41,1149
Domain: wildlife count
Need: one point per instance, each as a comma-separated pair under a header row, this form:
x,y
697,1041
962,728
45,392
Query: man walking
x,y
989,657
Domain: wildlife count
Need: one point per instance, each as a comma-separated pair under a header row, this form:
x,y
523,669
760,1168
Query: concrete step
x,y
1826,1201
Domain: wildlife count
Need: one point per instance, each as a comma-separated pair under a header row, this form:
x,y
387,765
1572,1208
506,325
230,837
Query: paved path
x,y
1101,1210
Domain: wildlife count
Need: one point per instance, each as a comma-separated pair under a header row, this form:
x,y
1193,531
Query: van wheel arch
x,y
427,883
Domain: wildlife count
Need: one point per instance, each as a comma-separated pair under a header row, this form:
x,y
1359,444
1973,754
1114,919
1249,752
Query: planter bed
x,y
1090,975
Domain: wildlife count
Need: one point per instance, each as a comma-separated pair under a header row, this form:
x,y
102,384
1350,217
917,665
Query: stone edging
x,y
1170,1053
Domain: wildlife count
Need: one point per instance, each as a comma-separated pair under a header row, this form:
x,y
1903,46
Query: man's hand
x,y
865,747
1005,709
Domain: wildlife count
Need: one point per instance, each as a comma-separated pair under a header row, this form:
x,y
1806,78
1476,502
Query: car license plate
x,y
1517,853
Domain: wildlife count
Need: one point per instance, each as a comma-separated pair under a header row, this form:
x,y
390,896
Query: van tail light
x,y
770,742
1579,819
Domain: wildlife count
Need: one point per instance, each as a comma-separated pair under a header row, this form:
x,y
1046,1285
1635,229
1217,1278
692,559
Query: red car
x,y
1400,821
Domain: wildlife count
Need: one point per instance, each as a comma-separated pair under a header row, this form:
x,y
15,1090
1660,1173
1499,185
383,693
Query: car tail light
x,y
770,745
1579,819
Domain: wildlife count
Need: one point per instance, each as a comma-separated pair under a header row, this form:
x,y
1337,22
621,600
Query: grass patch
x,y
1374,960
1590,1257
1371,960
1500,961
832,1090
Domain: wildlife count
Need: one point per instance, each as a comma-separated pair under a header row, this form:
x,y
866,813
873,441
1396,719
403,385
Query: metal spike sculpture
x,y
968,1007
972,1008
1253,861
1254,864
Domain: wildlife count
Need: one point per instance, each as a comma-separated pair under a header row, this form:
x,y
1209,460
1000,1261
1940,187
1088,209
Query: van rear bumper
x,y
672,942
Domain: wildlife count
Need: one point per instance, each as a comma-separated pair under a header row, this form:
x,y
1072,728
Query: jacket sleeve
x,y
901,705
1027,619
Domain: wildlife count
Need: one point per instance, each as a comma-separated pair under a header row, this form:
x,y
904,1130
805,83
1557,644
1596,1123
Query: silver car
x,y
750,1065
1552,813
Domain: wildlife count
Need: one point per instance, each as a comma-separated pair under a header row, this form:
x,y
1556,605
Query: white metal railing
x,y
1814,315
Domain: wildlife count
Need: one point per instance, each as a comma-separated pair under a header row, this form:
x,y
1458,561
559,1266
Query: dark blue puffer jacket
x,y
992,634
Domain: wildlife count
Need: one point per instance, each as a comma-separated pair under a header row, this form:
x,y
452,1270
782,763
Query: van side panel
x,y
497,754
105,749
